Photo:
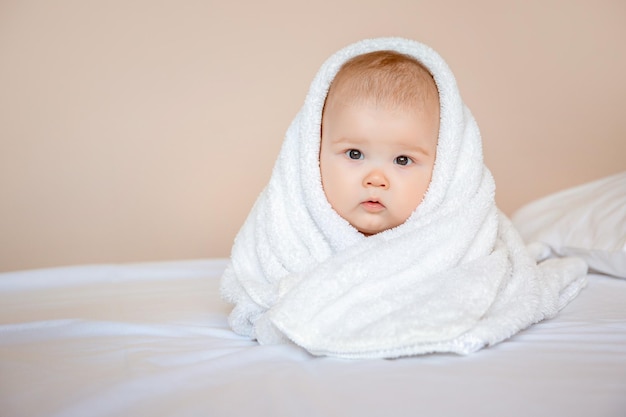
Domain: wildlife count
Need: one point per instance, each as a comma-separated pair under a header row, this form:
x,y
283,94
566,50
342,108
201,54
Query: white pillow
x,y
587,221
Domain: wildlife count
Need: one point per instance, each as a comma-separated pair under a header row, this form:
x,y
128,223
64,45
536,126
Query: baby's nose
x,y
376,178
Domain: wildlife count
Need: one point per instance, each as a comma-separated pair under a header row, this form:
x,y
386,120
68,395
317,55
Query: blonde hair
x,y
386,78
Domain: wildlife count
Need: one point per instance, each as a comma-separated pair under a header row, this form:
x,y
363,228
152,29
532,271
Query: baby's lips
x,y
374,200
373,205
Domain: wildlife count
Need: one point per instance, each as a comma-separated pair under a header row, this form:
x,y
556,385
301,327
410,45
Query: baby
x,y
380,126
378,234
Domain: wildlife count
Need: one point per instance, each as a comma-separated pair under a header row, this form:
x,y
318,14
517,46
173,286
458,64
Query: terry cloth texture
x,y
454,277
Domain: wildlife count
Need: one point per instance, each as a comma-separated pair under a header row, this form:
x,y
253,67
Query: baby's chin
x,y
376,228
370,231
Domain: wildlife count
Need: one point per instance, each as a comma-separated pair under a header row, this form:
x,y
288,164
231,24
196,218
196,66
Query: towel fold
x,y
454,277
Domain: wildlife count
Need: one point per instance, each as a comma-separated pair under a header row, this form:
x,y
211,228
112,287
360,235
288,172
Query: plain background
x,y
143,130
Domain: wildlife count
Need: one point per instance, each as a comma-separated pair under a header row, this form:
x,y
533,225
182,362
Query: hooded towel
x,y
454,277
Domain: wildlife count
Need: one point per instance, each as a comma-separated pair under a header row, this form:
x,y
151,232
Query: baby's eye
x,y
403,160
354,154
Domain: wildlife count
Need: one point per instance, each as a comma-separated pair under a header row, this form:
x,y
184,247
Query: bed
x,y
152,339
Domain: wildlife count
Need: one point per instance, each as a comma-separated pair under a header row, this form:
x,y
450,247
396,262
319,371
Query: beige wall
x,y
144,130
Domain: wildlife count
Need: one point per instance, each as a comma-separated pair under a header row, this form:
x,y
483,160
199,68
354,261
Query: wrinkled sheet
x,y
152,340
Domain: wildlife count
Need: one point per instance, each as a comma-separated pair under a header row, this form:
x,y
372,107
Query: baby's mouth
x,y
373,205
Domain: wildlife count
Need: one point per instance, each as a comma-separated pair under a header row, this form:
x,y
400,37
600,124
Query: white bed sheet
x,y
152,340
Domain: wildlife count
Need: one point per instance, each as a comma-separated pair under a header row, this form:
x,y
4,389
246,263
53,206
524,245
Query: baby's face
x,y
376,162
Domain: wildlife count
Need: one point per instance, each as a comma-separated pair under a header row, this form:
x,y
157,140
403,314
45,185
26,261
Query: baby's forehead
x,y
424,107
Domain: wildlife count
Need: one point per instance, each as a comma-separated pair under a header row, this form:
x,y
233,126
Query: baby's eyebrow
x,y
354,141
418,149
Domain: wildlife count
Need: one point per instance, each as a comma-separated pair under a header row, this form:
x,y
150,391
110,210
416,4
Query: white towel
x,y
454,277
